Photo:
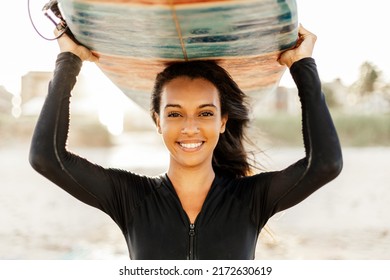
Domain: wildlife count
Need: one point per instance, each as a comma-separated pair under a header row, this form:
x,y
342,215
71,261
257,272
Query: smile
x,y
190,146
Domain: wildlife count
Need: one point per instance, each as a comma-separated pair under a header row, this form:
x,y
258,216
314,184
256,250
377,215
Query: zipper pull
x,y
192,230
191,233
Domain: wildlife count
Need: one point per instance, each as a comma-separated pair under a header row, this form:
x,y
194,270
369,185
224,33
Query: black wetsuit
x,y
148,210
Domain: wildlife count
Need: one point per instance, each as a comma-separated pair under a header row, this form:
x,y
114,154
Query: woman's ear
x,y
157,119
224,120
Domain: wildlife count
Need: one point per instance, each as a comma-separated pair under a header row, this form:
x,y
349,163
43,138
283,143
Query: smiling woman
x,y
205,88
210,204
190,122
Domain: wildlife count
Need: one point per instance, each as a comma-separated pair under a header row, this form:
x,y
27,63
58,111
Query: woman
x,y
207,205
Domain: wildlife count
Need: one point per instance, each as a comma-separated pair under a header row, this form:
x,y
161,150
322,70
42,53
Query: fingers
x,y
57,32
93,57
304,34
302,30
85,54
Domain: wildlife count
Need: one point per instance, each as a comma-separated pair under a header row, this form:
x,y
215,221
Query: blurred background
x,y
347,219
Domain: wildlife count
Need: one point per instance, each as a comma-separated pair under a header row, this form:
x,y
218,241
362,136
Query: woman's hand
x,y
66,44
303,48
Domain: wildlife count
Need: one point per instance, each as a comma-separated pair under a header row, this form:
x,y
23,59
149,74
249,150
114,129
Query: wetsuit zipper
x,y
191,233
191,253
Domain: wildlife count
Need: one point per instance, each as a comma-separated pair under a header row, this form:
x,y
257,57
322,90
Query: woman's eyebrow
x,y
199,107
172,105
207,105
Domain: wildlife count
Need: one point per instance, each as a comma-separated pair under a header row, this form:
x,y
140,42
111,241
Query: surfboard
x,y
136,39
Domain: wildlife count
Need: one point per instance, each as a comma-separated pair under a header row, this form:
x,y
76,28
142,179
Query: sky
x,y
349,33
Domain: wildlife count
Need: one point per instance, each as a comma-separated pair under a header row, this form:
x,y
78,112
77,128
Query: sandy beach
x,y
346,219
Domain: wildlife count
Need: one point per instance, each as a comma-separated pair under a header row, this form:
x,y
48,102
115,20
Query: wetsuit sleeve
x,y
88,182
323,157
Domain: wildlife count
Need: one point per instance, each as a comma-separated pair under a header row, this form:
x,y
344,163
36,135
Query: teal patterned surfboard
x,y
135,39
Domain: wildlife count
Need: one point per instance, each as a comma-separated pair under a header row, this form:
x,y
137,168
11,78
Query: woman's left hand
x,y
66,44
303,48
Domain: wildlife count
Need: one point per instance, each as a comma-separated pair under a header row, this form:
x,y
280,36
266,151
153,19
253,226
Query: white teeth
x,y
190,145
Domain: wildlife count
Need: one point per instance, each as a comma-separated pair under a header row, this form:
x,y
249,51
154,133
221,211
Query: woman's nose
x,y
190,126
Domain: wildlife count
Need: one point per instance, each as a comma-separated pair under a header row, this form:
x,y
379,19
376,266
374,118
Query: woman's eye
x,y
173,115
207,114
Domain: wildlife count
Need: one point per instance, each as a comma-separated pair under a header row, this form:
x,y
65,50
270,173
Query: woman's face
x,y
190,121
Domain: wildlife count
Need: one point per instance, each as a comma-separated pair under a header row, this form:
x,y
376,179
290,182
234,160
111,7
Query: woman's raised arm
x,y
49,156
323,156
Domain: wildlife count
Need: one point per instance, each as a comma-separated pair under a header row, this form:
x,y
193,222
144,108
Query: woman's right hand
x,y
303,48
66,44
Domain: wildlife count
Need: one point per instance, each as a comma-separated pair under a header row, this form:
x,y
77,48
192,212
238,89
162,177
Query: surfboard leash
x,y
53,6
60,24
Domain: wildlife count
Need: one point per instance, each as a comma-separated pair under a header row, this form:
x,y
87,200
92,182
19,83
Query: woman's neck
x,y
192,187
191,180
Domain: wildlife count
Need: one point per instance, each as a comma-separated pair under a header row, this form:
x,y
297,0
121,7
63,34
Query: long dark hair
x,y
230,156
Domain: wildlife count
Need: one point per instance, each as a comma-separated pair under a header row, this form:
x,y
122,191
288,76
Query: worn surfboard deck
x,y
136,39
